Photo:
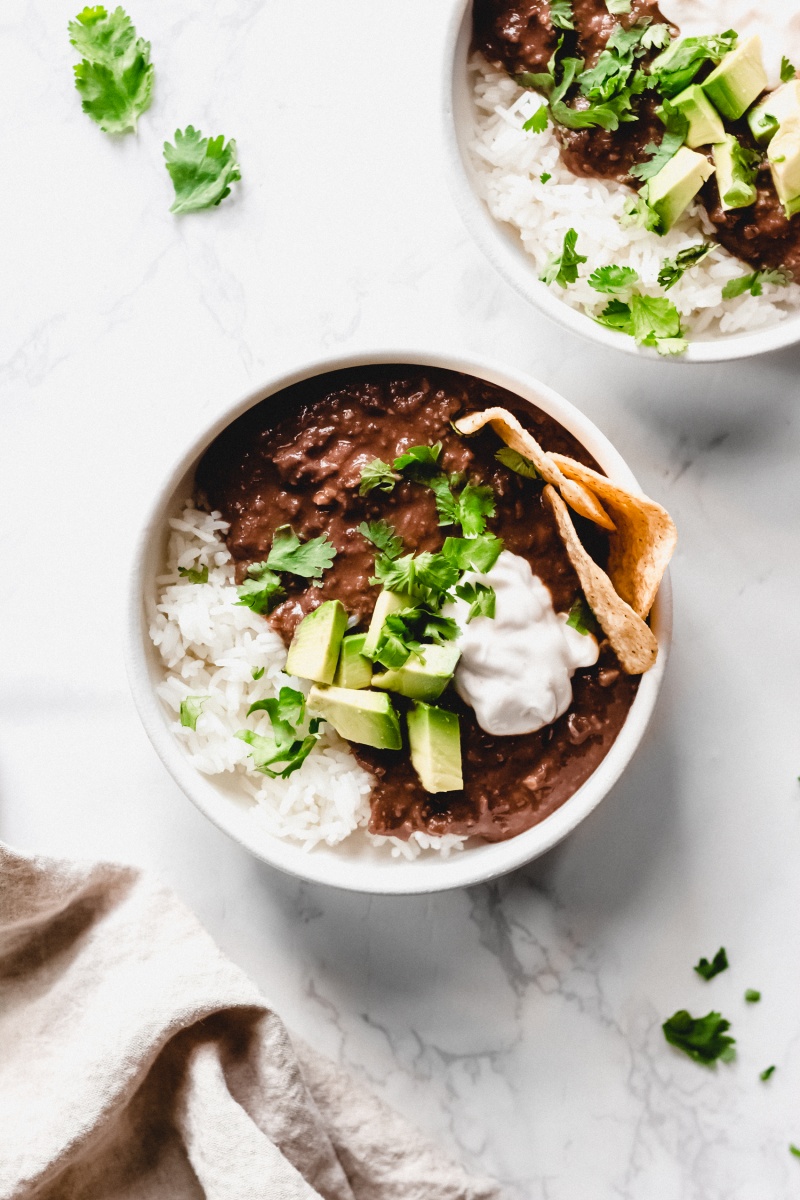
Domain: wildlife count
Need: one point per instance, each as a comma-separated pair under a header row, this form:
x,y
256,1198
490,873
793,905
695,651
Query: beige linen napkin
x,y
137,1062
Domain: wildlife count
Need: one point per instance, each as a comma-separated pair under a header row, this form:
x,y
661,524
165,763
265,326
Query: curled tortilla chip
x,y
506,425
633,641
645,537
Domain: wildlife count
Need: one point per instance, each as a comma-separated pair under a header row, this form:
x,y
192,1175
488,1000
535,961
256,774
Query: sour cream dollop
x,y
516,668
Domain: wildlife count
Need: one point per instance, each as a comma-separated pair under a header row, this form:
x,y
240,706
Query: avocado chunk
x,y
360,716
314,651
671,191
784,161
434,735
353,670
705,123
735,173
423,678
778,106
386,604
738,80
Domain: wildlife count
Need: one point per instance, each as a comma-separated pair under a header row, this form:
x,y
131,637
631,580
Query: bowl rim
x,y
500,244
389,876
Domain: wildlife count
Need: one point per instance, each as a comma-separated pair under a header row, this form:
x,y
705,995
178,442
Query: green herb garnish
x,y
613,280
618,7
677,126
467,506
703,1038
767,1073
424,576
537,123
194,574
286,711
474,553
262,590
672,269
377,475
419,462
754,283
638,212
582,618
788,70
675,69
403,633
650,320
191,709
307,559
201,169
707,970
480,597
795,1150
115,75
561,15
563,268
752,996
517,462
257,672
383,537
545,175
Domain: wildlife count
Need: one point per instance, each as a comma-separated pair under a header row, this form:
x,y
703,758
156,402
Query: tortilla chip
x,y
633,642
645,537
506,425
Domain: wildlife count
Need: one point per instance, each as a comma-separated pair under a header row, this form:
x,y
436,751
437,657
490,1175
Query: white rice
x,y
210,646
509,164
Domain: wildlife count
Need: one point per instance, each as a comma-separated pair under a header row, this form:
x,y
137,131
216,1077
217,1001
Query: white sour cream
x,y
516,668
777,22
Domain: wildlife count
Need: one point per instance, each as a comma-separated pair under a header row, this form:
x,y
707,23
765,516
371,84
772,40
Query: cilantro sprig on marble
x,y
115,75
709,969
284,749
263,589
202,169
704,1039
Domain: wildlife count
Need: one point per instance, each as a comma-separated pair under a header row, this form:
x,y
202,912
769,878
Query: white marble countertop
x,y
519,1024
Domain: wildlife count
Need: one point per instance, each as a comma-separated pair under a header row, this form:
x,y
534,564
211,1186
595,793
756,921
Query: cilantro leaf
x,y
257,672
788,70
480,597
424,576
677,127
262,590
537,123
282,746
383,537
613,280
795,1150
675,69
561,16
754,283
475,503
115,75
377,474
638,212
288,706
582,618
606,87
517,462
403,633
650,320
672,269
752,996
618,7
191,710
201,169
563,268
704,1039
194,574
767,1073
744,171
419,462
476,553
307,559
545,175
656,37
707,970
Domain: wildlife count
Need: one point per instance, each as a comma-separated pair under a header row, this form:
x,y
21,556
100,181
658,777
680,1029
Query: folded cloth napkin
x,y
137,1062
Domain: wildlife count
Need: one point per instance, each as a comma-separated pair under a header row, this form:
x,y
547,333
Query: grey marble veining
x,y
518,1023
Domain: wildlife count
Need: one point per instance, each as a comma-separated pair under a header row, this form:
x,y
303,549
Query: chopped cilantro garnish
x,y
672,269
677,126
517,462
377,474
754,284
707,970
613,280
581,617
282,746
194,574
752,996
656,37
744,171
561,16
257,672
563,268
638,212
403,633
788,70
191,709
675,69
537,123
468,507
475,553
262,590
703,1038
651,320
419,462
618,7
308,559
383,537
115,75
795,1150
480,597
545,175
424,576
767,1073
201,169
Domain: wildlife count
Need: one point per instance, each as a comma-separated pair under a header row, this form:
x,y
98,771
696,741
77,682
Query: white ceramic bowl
x,y
503,247
356,865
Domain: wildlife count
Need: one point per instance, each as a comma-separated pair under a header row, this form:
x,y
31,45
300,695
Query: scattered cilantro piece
x,y
744,171
707,970
703,1038
545,175
283,746
201,169
795,1150
537,123
618,7
194,574
480,597
613,280
656,37
638,212
563,268
403,633
419,462
650,320
308,559
676,128
582,618
115,75
517,463
672,269
788,70
262,590
377,474
424,576
476,553
191,709
767,1073
754,284
468,508
561,16
606,88
675,69
752,996
257,672
383,537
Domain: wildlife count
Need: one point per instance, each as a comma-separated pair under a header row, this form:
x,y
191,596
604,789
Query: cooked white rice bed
x,y
210,646
509,164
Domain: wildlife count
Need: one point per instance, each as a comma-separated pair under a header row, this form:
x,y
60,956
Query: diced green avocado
x,y
358,715
423,678
353,670
671,191
434,735
386,604
784,161
738,80
705,123
314,651
733,176
776,108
